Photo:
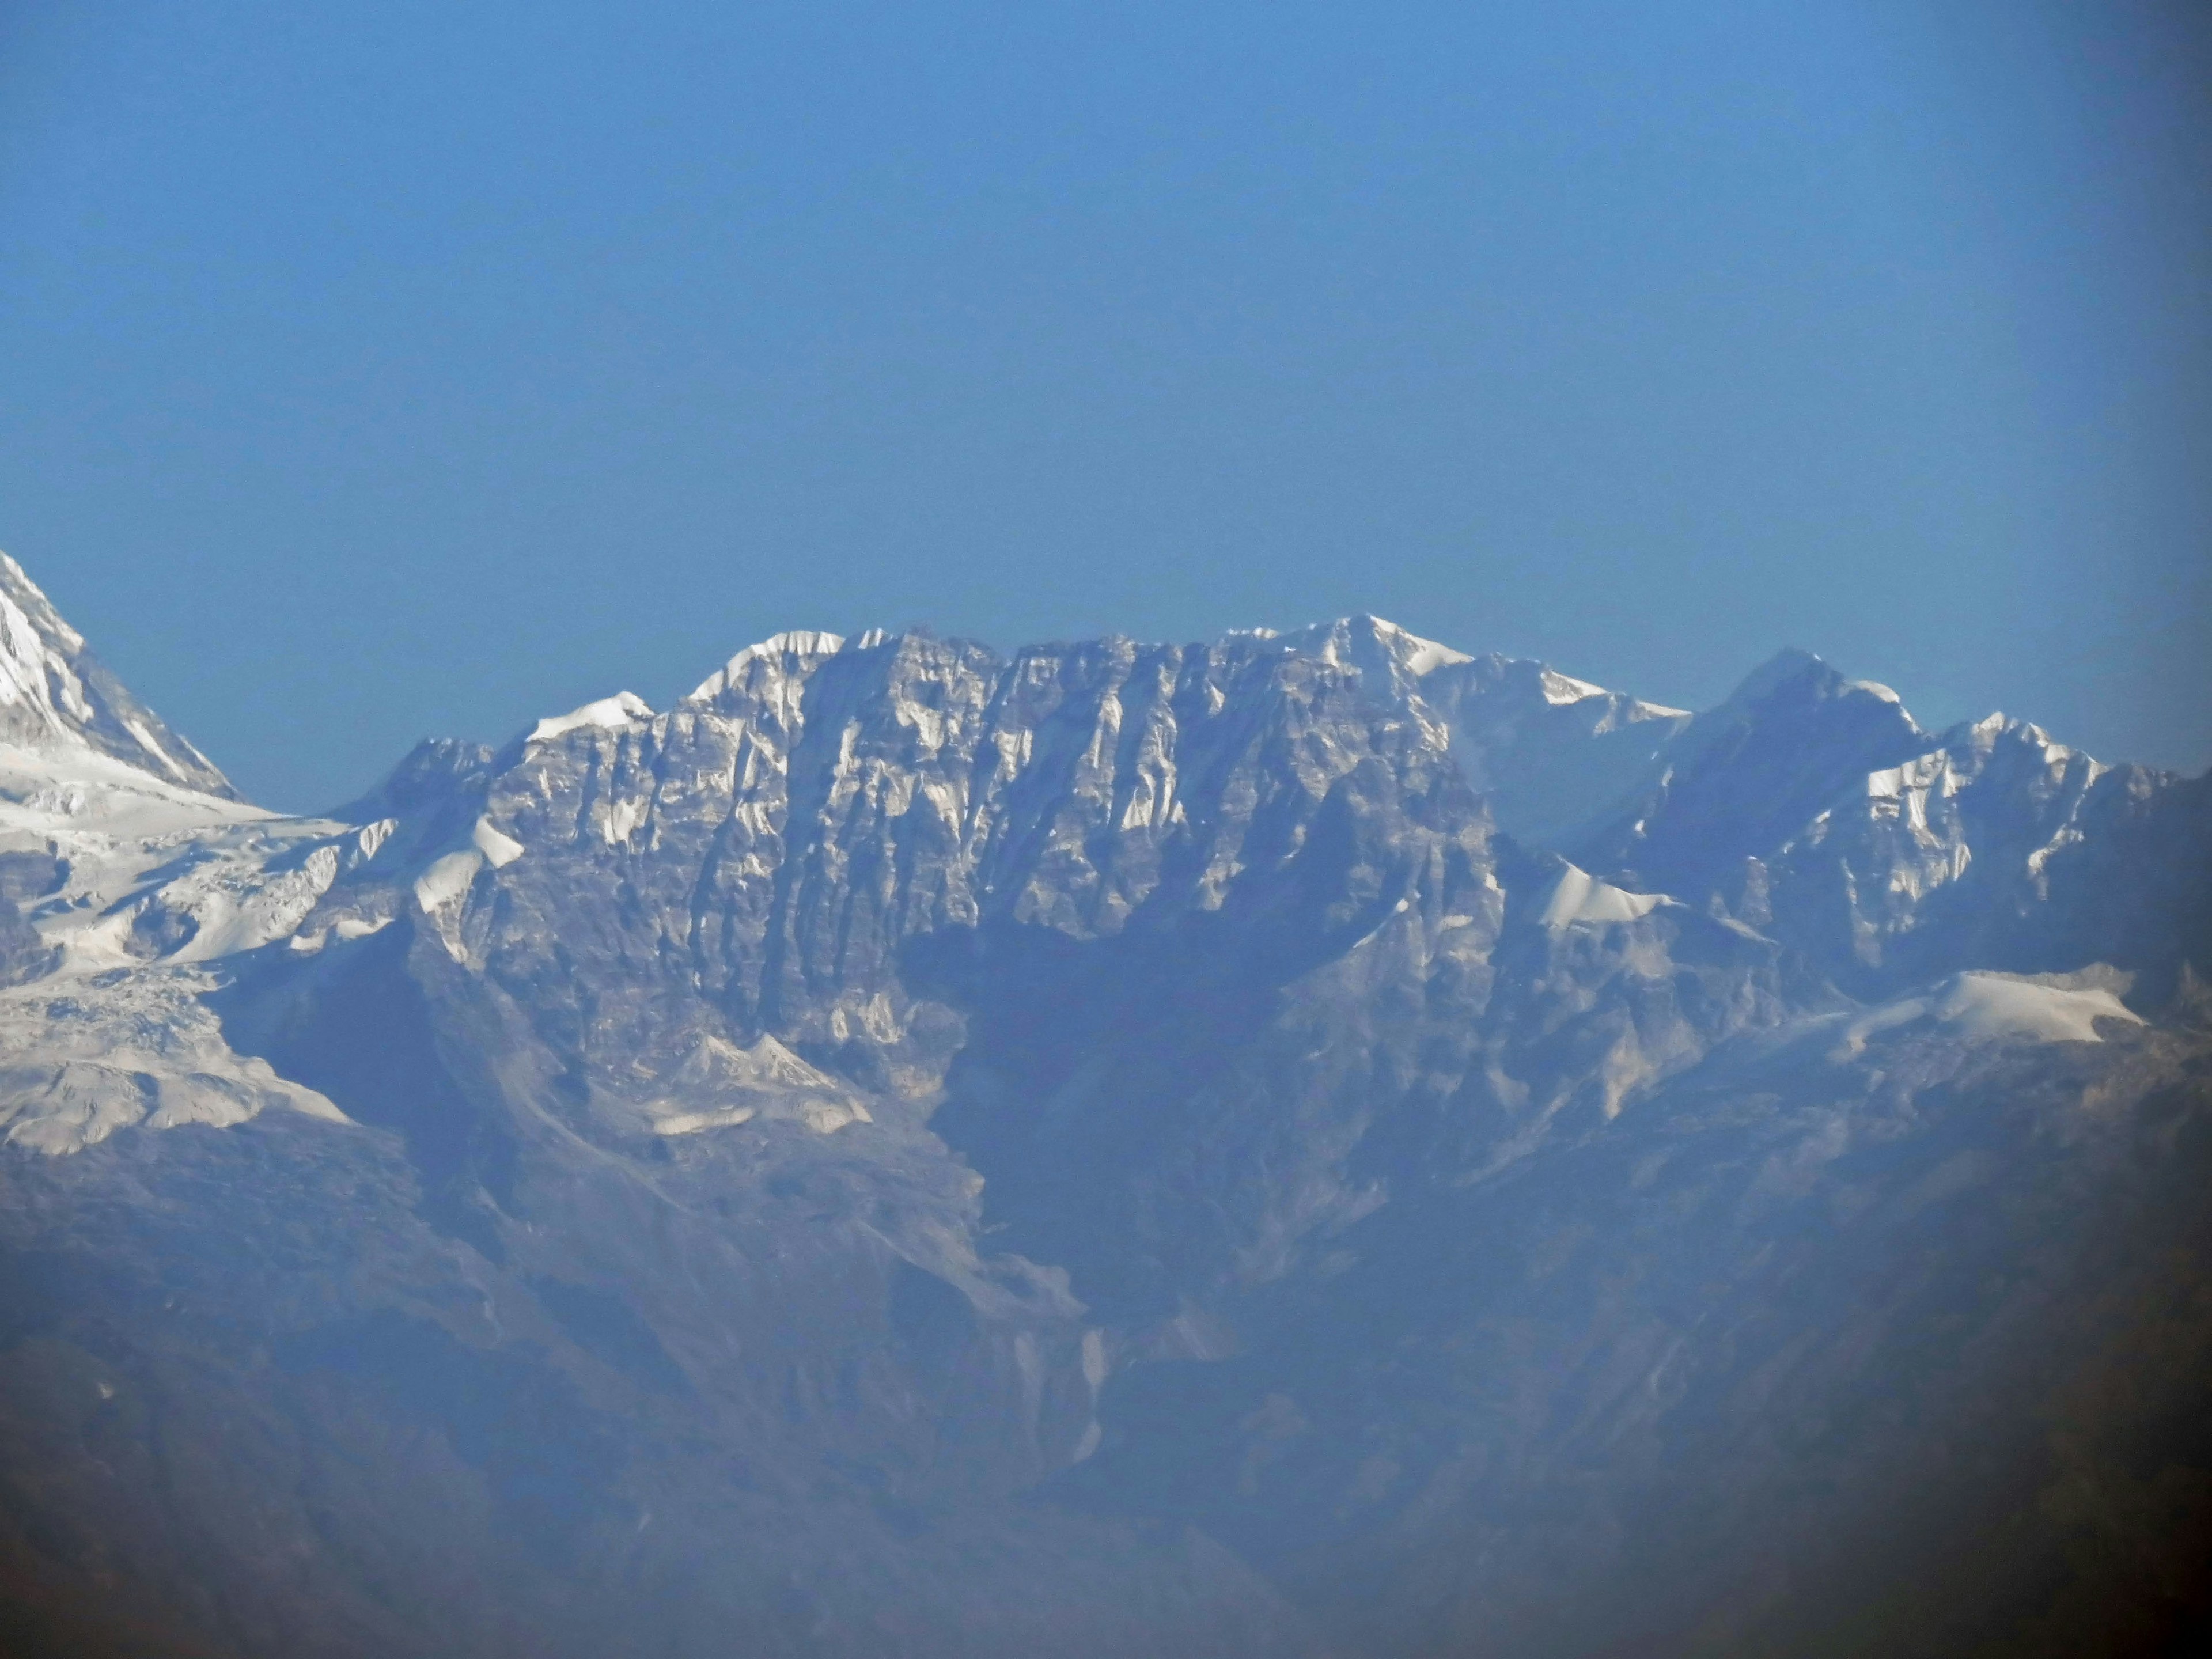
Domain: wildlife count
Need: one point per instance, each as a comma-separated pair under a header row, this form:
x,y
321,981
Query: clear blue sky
x,y
370,372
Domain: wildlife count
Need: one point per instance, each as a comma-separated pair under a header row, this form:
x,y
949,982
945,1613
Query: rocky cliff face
x,y
1123,1147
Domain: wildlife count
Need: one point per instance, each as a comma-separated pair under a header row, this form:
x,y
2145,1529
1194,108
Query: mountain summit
x,y
1307,1144
56,699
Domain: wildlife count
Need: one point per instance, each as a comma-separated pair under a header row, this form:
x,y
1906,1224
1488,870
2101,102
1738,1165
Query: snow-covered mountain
x,y
1815,808
1316,1142
60,707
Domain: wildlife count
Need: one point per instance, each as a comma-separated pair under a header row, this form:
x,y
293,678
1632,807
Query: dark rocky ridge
x,y
1114,1149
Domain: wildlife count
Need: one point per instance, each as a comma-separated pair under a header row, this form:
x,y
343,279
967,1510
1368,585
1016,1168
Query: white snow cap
x,y
610,713
1875,689
55,698
1364,642
803,645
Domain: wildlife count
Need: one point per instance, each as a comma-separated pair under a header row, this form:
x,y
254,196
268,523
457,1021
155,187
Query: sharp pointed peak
x,y
1790,665
57,698
1798,674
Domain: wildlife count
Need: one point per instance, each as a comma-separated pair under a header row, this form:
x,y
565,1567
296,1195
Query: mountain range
x,y
1310,1143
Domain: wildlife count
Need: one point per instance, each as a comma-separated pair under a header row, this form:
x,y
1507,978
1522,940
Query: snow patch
x,y
802,643
500,850
621,823
1424,657
1994,1007
140,1050
1564,688
447,880
148,741
1579,897
76,787
608,713
1986,1007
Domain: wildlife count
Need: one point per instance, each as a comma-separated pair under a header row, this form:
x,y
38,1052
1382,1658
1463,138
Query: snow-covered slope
x,y
124,854
57,701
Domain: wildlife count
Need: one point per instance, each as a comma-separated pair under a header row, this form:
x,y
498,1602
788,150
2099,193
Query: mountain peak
x,y
56,697
624,709
1364,640
1799,677
794,650
1787,666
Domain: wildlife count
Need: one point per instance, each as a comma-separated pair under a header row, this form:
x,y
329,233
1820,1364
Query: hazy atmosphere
x,y
371,374
1125,832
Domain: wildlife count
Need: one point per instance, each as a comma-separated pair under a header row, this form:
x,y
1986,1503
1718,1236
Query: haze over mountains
x,y
1307,1144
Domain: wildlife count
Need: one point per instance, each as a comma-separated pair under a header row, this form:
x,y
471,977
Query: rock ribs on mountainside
x,y
1308,1143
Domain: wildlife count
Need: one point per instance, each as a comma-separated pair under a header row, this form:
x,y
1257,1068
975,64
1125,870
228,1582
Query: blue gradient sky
x,y
373,371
